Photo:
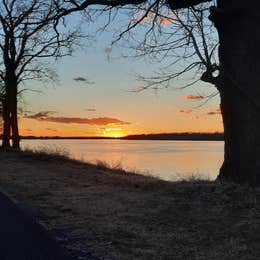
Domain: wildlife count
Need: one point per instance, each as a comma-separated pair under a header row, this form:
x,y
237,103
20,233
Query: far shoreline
x,y
160,137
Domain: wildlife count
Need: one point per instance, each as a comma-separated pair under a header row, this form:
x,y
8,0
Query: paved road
x,y
22,239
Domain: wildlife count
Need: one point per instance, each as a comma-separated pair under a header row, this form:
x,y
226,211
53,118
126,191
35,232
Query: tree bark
x,y
14,122
11,121
6,126
237,23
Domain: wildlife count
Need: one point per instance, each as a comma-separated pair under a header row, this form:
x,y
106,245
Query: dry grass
x,y
119,215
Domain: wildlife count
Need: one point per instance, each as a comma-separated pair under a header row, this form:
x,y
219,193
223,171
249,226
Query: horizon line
x,y
172,135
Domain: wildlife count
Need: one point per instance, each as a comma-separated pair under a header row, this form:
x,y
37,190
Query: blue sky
x,y
110,96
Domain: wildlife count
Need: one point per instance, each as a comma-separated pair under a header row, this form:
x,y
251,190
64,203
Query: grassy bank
x,y
119,215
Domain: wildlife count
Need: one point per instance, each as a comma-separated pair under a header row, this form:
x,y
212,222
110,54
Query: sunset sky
x,y
95,97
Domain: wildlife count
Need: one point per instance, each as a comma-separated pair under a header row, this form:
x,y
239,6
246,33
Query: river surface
x,y
168,160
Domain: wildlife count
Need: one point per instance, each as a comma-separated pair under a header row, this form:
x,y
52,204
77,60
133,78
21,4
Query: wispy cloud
x,y
84,80
46,117
195,117
90,109
166,20
193,97
213,112
182,111
205,115
88,121
41,114
51,130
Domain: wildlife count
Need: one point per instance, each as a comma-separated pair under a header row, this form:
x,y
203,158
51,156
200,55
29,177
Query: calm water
x,y
169,160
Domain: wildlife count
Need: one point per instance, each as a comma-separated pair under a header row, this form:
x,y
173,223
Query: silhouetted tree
x,y
237,79
30,32
237,23
2,91
1,114
33,30
182,41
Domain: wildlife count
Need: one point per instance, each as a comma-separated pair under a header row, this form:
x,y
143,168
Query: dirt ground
x,y
117,215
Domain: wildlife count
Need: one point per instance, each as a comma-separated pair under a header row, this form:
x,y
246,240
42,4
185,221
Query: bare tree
x,y
237,24
236,77
181,41
238,84
1,106
30,33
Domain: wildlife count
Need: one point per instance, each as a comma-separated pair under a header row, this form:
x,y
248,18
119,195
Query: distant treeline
x,y
64,137
163,136
179,136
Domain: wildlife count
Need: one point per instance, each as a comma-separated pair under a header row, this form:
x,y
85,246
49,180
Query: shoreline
x,y
185,136
113,214
121,139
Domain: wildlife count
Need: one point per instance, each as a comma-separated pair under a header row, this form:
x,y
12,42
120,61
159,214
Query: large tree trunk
x,y
6,126
242,139
11,86
14,122
238,22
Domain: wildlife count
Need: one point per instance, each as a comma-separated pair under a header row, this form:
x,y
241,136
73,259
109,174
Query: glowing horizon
x,y
95,98
31,127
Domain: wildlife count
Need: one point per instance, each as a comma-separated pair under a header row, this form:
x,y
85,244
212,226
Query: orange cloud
x,y
195,117
51,129
45,116
193,97
185,111
165,21
214,112
144,18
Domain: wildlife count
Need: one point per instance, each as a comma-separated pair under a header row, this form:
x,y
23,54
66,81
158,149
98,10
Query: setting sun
x,y
116,132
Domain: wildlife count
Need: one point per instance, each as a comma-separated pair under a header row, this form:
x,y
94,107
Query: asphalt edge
x,y
31,218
